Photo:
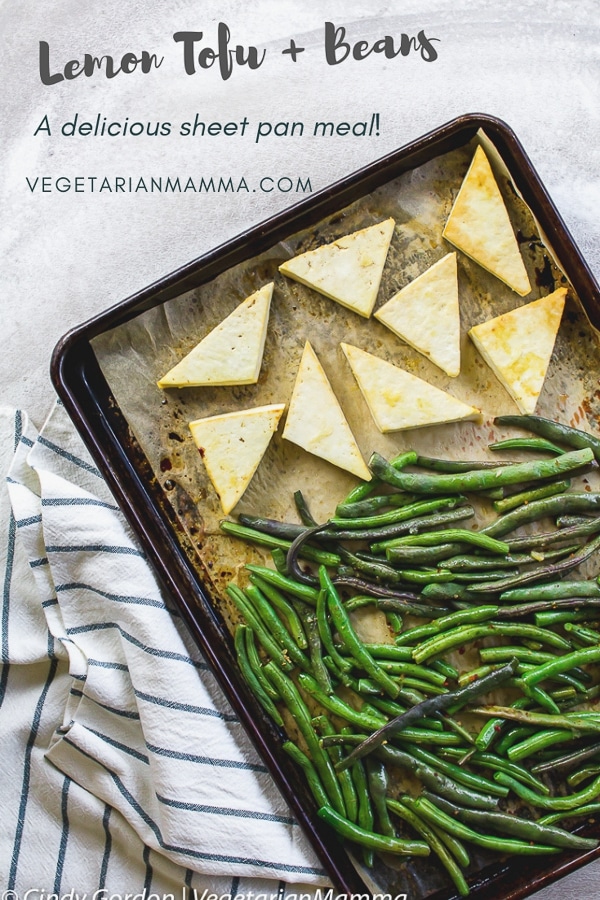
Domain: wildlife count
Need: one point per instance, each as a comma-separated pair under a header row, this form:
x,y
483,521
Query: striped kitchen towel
x,y
141,725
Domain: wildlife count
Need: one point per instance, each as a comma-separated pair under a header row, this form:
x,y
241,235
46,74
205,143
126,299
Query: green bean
x,y
435,816
381,534
535,444
433,839
263,636
250,677
525,829
563,664
554,591
275,626
543,572
308,616
324,726
583,775
268,540
279,560
372,504
498,763
361,491
312,776
589,809
365,488
587,636
457,466
425,555
479,479
428,576
375,569
297,709
523,654
569,760
386,599
526,609
389,651
467,634
342,665
472,563
421,507
450,591
369,839
451,700
470,578
303,511
413,671
350,639
582,721
474,674
539,509
286,584
394,621
256,665
525,497
338,706
378,782
457,773
537,742
491,731
284,607
445,668
448,535
436,780
556,804
461,617
276,534
365,816
551,617
553,431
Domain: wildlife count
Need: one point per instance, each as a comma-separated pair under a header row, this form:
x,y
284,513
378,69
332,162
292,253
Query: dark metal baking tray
x,y
83,388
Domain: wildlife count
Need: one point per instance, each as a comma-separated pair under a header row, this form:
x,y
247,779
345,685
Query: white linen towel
x,y
145,727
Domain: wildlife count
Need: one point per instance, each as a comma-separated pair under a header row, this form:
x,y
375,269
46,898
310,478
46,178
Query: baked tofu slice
x,y
398,400
348,270
480,227
315,420
232,446
425,314
517,346
232,352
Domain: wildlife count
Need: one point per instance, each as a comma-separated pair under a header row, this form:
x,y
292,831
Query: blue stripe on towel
x,y
206,760
62,850
76,460
186,707
107,846
78,501
93,548
188,851
27,774
226,811
117,598
153,651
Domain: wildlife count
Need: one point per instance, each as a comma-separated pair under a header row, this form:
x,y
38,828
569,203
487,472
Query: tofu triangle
x,y
347,270
232,352
480,227
316,422
232,446
425,314
398,400
518,345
